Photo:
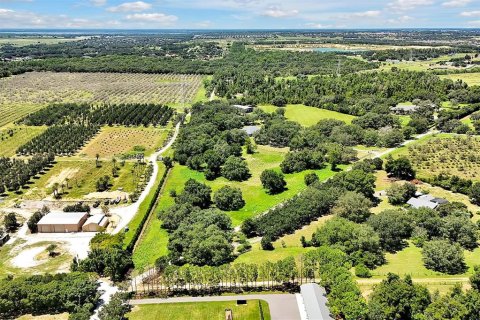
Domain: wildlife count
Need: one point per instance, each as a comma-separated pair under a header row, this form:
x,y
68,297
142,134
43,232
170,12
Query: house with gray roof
x,y
251,130
426,201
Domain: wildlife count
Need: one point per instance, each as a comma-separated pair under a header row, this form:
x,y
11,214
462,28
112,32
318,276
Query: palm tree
x,y
97,157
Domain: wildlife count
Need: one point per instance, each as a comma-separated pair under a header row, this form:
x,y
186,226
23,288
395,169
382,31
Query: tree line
x,y
16,173
59,140
134,114
75,293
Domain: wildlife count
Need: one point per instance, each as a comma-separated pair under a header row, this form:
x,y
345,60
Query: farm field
x,y
308,116
33,40
422,65
472,79
154,243
118,141
200,311
454,154
15,136
82,176
26,93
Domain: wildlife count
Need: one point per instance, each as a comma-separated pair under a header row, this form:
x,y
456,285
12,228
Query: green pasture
x,y
200,311
21,135
308,116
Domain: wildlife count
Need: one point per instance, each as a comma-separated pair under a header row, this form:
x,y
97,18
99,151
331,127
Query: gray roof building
x,y
426,201
245,109
315,302
250,130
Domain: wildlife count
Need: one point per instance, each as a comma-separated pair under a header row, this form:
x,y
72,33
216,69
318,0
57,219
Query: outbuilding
x,y
95,223
62,222
251,130
244,109
315,302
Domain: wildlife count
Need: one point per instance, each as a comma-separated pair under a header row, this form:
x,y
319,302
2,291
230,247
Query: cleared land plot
x,y
61,316
153,245
424,65
82,177
117,141
200,311
12,138
18,259
409,262
308,116
286,246
26,93
472,79
449,153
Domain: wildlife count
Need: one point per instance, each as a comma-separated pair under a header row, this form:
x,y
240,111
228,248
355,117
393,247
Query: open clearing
x,y
117,141
61,316
472,79
308,116
200,311
11,138
82,176
17,258
26,93
154,242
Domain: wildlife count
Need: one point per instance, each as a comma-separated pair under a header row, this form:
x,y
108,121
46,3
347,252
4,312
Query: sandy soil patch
x,y
107,195
65,174
27,258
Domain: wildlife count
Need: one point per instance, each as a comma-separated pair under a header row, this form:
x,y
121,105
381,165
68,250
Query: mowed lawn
x,y
82,176
9,143
116,141
472,79
409,262
200,311
154,242
308,116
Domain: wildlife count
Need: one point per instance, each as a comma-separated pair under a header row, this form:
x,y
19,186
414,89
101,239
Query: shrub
x,y
310,178
266,243
362,271
235,169
399,194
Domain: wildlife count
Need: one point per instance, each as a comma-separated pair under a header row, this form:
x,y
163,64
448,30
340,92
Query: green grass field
x,y
472,79
154,243
286,246
200,311
82,176
421,65
142,210
21,135
308,116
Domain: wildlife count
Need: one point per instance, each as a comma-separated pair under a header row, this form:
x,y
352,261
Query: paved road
x,y
282,306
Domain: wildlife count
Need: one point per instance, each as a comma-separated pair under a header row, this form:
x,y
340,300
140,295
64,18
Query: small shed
x,y
251,130
62,222
95,223
244,108
315,302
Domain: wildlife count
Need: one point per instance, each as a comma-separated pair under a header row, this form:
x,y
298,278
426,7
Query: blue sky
x,y
239,14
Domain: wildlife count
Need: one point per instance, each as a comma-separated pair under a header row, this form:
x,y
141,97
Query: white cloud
x,y
475,23
456,3
314,25
400,20
157,18
5,11
276,12
98,3
357,15
470,13
137,6
404,5
204,24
